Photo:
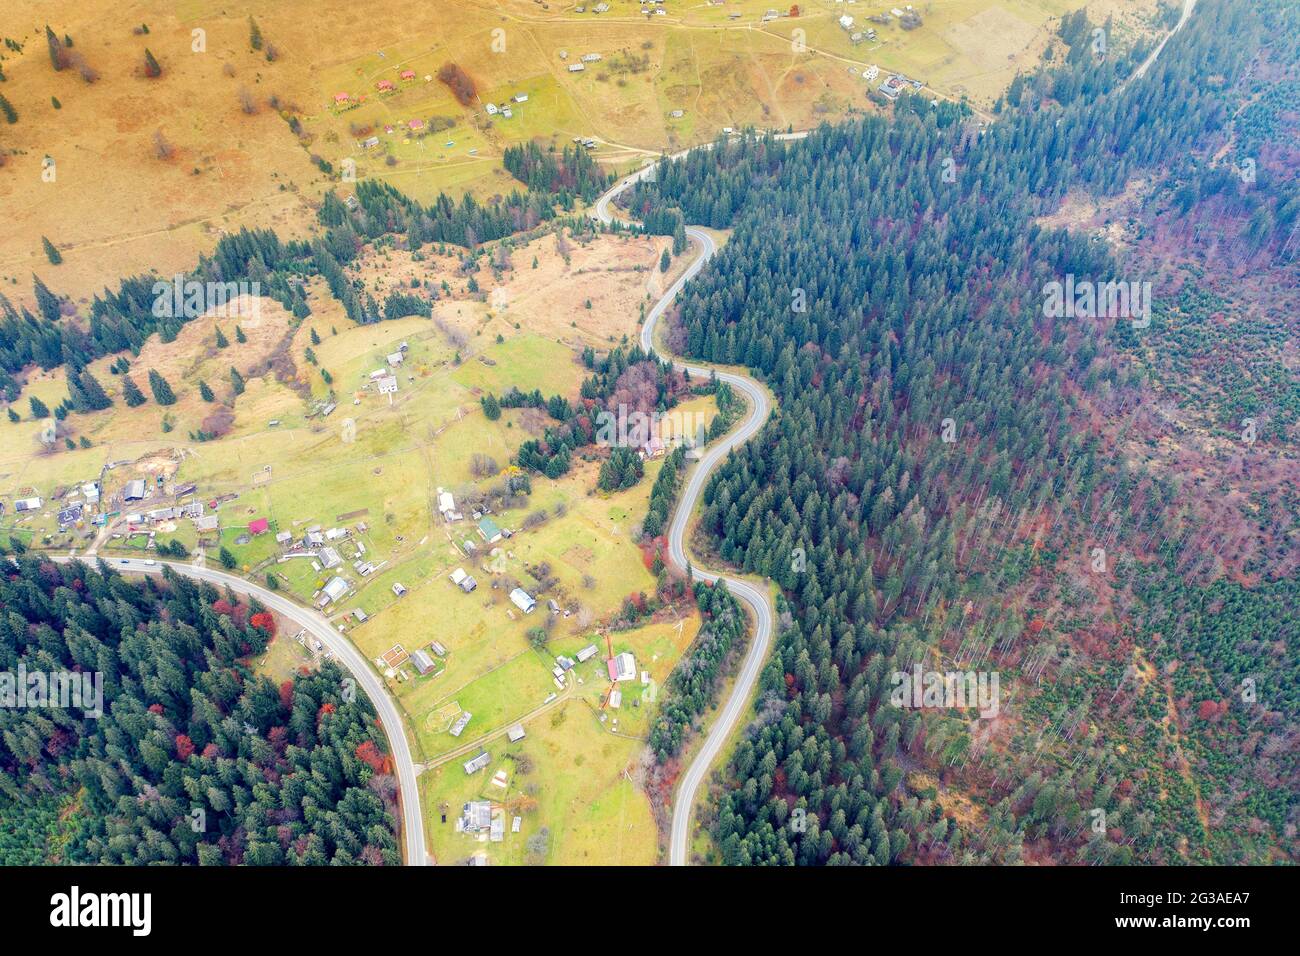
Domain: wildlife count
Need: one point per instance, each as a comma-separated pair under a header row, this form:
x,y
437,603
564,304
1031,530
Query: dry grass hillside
x,y
147,171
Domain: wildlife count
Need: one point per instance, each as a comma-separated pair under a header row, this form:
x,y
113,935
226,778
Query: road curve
x,y
344,652
758,601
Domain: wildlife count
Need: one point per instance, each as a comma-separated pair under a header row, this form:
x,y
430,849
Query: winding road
x,y
346,654
759,602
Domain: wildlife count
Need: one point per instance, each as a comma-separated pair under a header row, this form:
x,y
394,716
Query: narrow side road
x,y
347,655
759,602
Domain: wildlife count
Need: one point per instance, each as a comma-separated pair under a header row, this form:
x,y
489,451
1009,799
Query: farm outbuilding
x,y
523,600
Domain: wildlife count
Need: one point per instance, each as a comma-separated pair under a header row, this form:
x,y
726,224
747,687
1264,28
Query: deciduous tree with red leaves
x,y
184,747
368,753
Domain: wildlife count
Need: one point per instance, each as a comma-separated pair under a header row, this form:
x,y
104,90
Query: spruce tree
x,y
10,115
205,392
236,381
57,58
239,335
254,34
51,253
151,67
39,408
162,392
222,341
48,303
131,393
14,416
87,394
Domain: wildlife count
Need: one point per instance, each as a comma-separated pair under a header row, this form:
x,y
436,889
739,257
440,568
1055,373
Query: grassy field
x,y
375,466
114,207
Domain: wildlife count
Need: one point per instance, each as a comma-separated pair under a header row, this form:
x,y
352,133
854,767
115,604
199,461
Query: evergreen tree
x,y
39,408
227,558
58,59
254,34
162,392
205,392
222,341
131,393
51,307
236,381
239,335
151,67
87,394
51,252
11,116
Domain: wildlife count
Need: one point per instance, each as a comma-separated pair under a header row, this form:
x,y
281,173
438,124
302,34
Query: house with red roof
x,y
408,74
341,98
416,125
385,86
259,526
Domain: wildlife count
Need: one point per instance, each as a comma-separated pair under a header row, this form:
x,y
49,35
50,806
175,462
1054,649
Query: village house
x,y
576,67
622,667
523,600
422,661
259,526
334,589
515,733
134,490
475,764
408,74
587,653
463,580
461,723
385,86
489,531
475,817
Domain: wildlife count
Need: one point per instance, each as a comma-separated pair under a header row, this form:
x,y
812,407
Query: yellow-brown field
x,y
115,208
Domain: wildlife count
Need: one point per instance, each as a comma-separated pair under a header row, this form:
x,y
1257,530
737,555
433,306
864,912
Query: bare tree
x,y
482,466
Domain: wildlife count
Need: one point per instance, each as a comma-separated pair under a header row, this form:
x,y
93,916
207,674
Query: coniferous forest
x,y
195,759
948,462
